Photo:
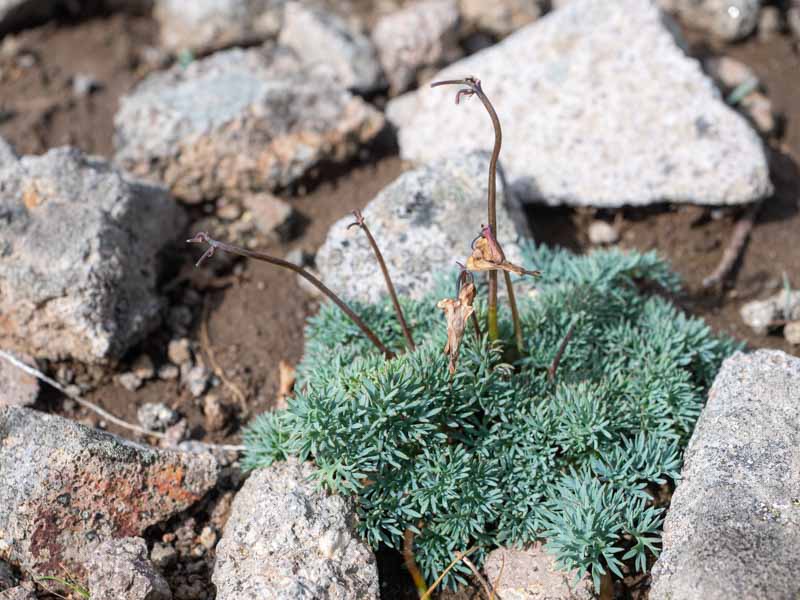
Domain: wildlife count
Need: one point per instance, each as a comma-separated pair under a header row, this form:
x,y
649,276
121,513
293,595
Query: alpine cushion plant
x,y
500,453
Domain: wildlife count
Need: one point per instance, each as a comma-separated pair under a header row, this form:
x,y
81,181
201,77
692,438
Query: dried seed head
x,y
457,312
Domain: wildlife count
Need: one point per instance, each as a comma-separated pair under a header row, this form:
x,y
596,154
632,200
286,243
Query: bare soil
x,y
257,314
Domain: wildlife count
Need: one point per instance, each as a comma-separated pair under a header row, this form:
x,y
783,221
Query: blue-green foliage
x,y
498,454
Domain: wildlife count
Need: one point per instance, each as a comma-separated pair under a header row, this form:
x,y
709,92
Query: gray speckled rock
x,y
733,527
120,570
287,539
65,487
726,19
531,574
322,39
237,122
599,107
17,388
423,222
416,39
7,154
207,25
78,256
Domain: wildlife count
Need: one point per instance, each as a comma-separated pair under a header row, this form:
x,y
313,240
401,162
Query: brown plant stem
x,y
512,300
551,372
214,245
476,326
487,587
473,87
360,222
411,564
733,250
459,557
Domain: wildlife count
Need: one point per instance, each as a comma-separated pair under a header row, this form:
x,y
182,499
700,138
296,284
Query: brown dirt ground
x,y
258,319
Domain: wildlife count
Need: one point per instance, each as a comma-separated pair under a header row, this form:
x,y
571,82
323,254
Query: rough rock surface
x,y
322,39
206,25
761,315
726,19
599,106
287,539
733,527
531,574
65,487
21,592
423,222
120,570
17,388
237,122
90,296
416,39
501,17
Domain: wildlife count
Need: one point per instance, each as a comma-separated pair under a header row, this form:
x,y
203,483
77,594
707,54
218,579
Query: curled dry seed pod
x,y
487,255
457,312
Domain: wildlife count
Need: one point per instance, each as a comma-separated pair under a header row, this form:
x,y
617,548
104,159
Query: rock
x,y
238,122
86,297
120,570
601,232
323,40
156,416
17,388
423,223
758,107
531,574
270,215
196,380
586,120
130,381
216,415
178,351
421,36
760,314
501,17
7,154
206,25
163,556
733,527
208,538
7,577
793,20
729,72
21,592
791,332
66,487
143,367
84,84
285,538
770,23
729,20
168,372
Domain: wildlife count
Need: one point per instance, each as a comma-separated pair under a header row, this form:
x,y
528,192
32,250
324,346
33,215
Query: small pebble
x,y
84,84
143,368
208,537
728,72
156,416
163,556
215,413
769,23
758,107
270,214
130,381
791,332
168,372
229,212
178,351
601,232
196,380
175,434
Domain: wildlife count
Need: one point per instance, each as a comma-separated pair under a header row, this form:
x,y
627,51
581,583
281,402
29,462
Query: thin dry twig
x,y
459,557
499,577
551,372
735,247
101,411
214,245
360,222
205,346
487,587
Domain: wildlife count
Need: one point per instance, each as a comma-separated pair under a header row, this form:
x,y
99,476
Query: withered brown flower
x,y
488,255
457,312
